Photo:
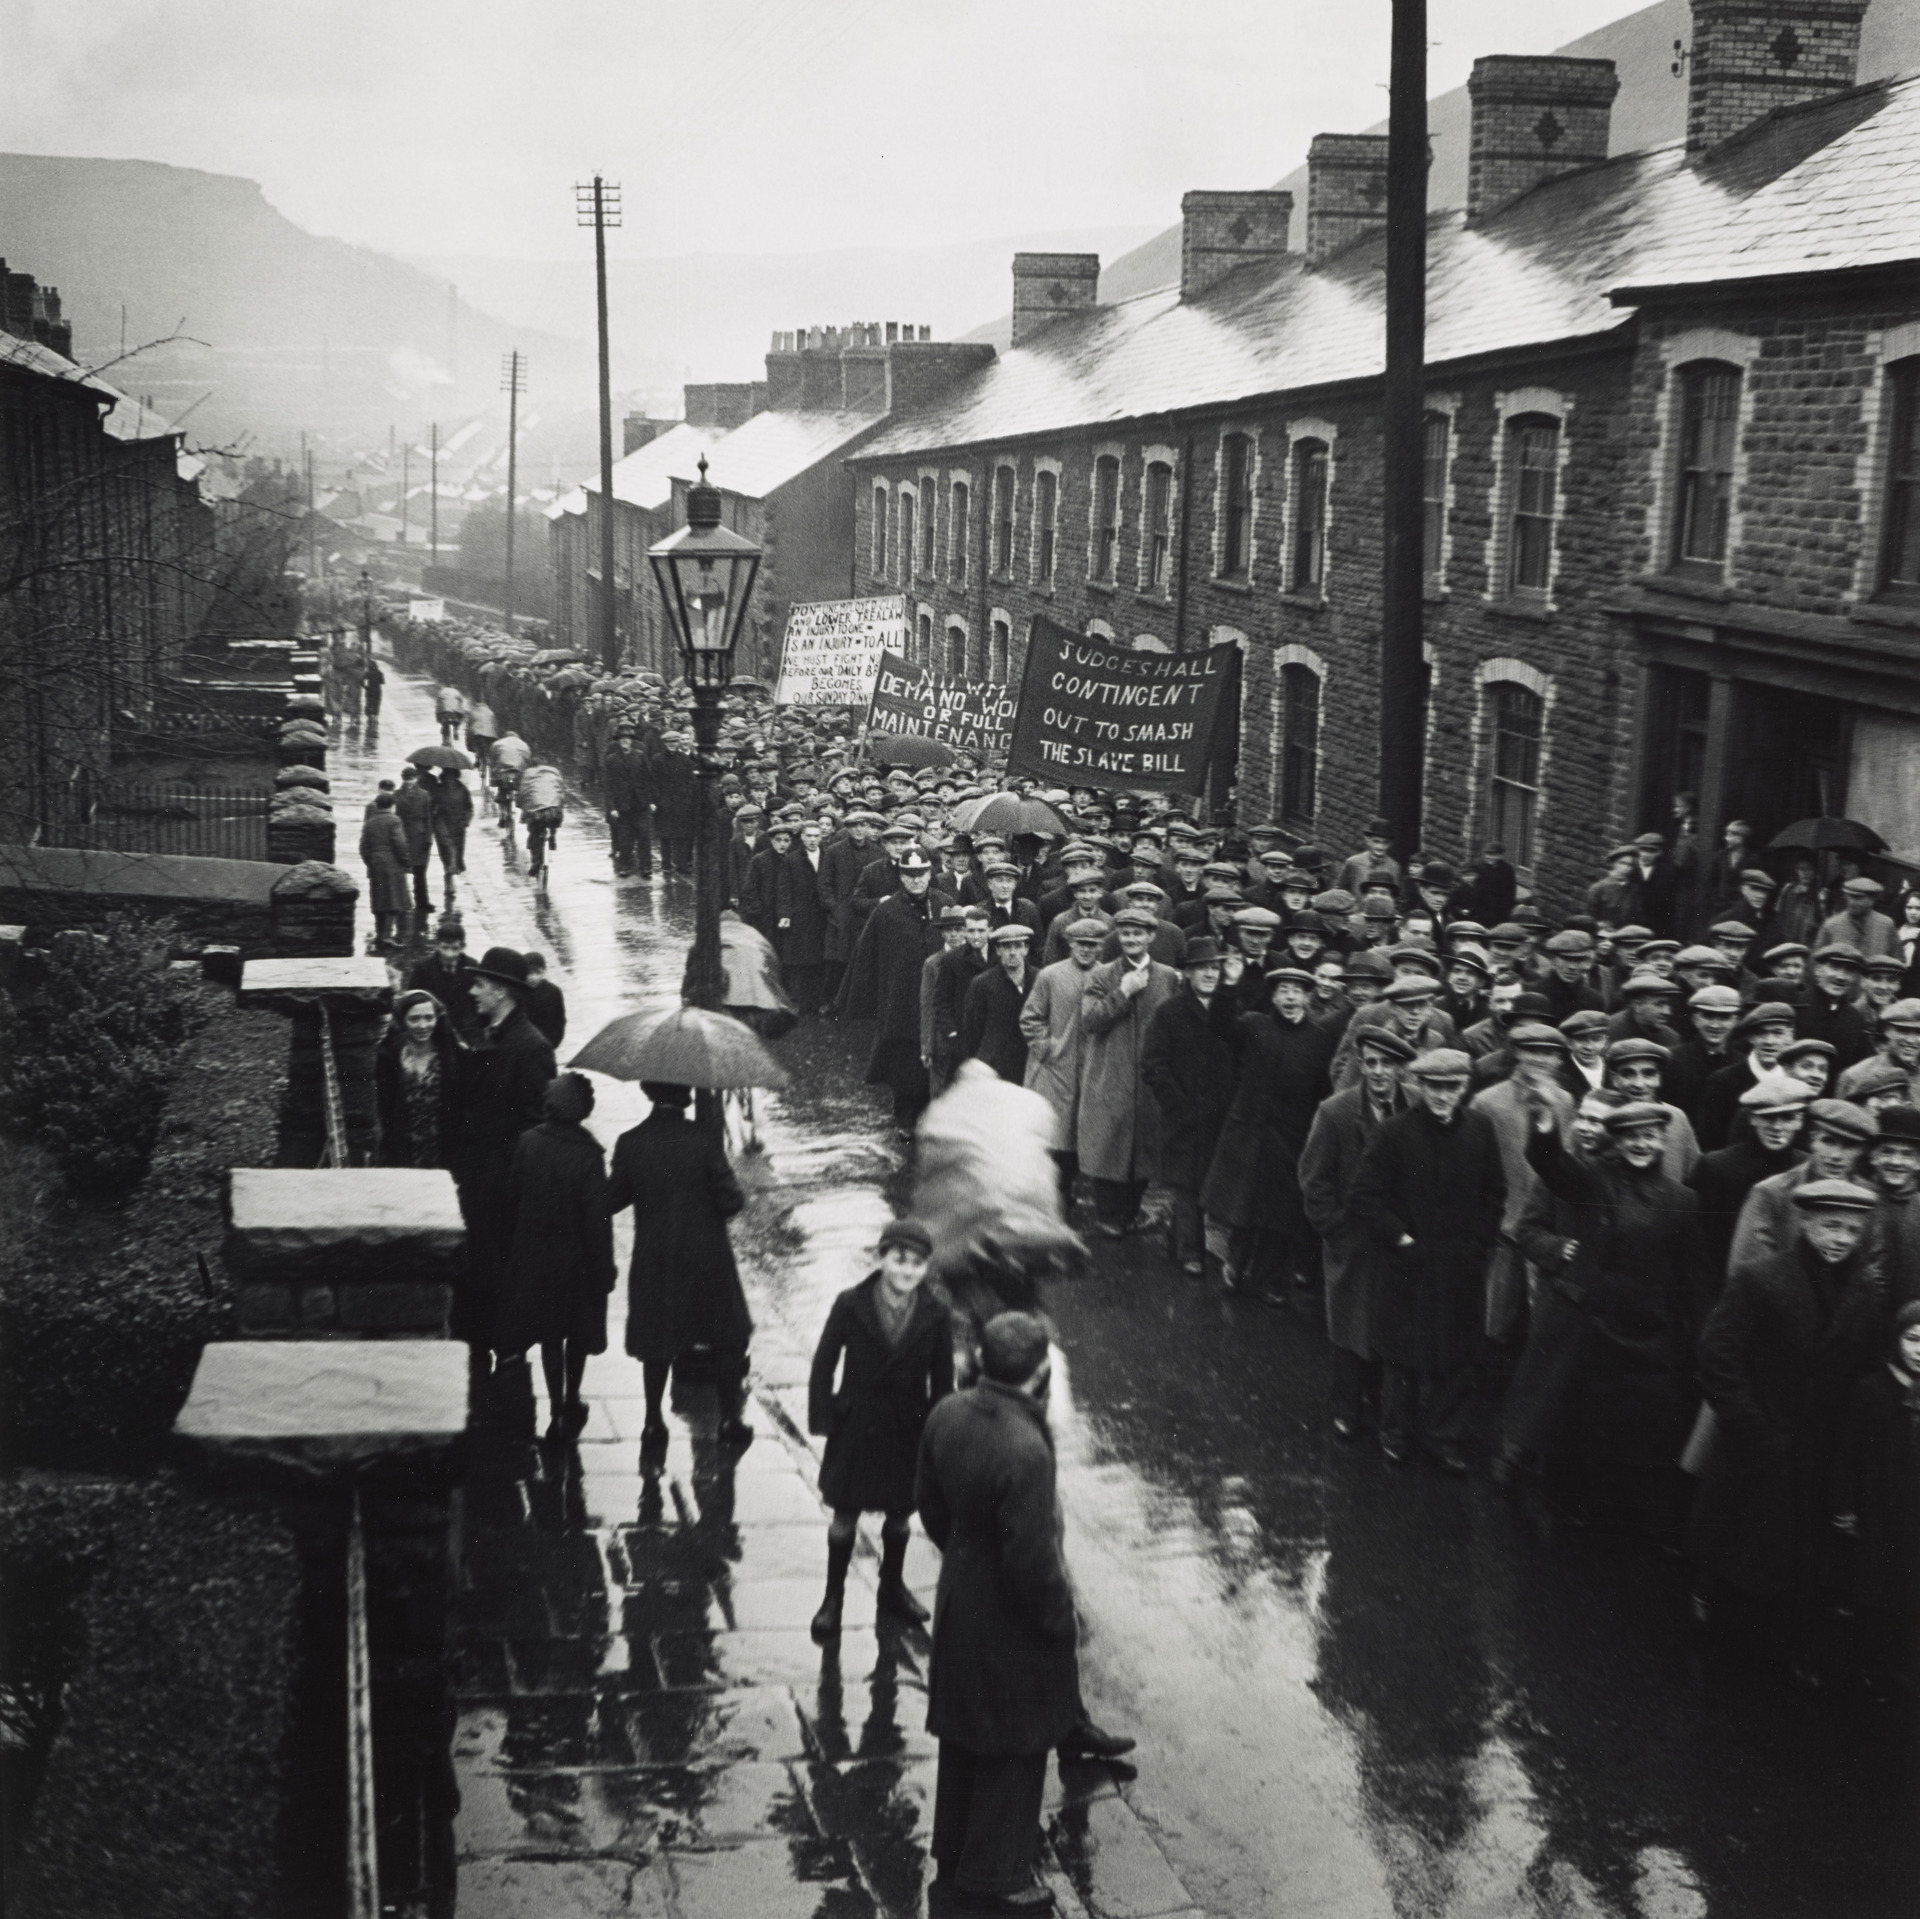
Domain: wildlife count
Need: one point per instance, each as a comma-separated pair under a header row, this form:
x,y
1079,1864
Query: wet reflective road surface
x,y
1356,1692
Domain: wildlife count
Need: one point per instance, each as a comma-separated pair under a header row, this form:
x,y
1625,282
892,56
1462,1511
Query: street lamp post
x,y
705,574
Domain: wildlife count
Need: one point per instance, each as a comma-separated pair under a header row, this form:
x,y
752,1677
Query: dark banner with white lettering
x,y
972,715
1095,714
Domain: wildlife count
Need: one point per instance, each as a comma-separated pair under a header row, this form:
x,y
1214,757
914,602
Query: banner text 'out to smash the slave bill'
x,y
1094,713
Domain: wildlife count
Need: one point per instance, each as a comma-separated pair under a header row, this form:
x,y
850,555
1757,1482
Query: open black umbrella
x,y
688,1047
1008,813
909,749
557,656
1828,834
440,756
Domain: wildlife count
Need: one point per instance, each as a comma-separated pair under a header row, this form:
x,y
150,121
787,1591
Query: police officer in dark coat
x,y
502,1086
883,985
627,781
990,1015
1186,1060
1434,1192
1004,1687
1779,1359
890,1343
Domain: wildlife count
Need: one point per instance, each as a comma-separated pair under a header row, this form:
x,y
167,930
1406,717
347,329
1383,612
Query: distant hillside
x,y
707,316
298,329
1651,110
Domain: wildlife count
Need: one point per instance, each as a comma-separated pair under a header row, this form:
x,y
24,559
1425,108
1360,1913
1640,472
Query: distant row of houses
x,y
1672,502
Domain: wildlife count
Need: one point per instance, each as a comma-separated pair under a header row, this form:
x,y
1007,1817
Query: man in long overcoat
x,y
1118,1138
1004,1687
383,851
1050,1024
627,781
1253,1185
675,804
841,865
1779,1358
883,985
1343,1128
414,804
800,933
1431,1191
1187,1064
990,1015
502,1087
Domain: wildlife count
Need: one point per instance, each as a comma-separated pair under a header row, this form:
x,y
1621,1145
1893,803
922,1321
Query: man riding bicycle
x,y
506,761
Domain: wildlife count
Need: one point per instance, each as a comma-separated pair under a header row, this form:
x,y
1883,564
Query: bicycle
x,y
543,835
504,783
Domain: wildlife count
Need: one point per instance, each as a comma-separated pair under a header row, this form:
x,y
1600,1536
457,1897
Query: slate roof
x,y
31,357
776,446
645,477
1836,183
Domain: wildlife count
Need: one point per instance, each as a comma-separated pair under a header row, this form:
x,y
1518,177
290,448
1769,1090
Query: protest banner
x,y
970,715
1095,714
426,609
832,650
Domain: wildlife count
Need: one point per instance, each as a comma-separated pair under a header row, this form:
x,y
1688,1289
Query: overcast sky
x,y
458,126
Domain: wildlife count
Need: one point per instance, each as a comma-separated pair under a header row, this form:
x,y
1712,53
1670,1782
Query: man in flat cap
x,y
1899,1050
990,1017
1050,1024
883,985
1711,1012
1860,924
1775,1107
1838,1134
1778,1360
1432,1192
1187,1064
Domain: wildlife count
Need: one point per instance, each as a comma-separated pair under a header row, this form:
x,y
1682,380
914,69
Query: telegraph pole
x,y
406,471
433,503
513,382
1403,666
598,206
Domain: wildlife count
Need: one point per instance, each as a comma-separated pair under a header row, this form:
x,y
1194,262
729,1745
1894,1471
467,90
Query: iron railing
x,y
174,816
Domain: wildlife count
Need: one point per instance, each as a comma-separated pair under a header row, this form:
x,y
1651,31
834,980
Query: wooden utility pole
x,y
513,379
1403,666
598,206
406,480
433,502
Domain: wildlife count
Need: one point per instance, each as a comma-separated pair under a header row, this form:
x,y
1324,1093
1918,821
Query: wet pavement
x,y
1356,1692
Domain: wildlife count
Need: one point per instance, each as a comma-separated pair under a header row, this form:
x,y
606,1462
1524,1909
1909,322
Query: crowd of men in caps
x,y
1648,1175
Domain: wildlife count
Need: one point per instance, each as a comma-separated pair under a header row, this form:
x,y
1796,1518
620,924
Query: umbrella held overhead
x,y
688,1047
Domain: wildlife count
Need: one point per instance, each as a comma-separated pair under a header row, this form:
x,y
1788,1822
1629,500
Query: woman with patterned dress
x,y
413,1079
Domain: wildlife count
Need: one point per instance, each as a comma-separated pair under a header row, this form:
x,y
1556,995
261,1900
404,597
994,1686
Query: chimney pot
x,y
1534,118
1751,56
1046,285
1221,231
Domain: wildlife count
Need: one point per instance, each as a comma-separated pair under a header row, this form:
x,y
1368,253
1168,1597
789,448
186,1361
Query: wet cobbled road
x,y
1355,1692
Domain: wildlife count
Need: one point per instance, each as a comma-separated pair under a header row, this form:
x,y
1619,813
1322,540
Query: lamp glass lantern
x,y
705,573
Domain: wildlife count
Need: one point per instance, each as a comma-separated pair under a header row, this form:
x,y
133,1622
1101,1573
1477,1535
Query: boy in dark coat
x,y
896,1342
1005,1682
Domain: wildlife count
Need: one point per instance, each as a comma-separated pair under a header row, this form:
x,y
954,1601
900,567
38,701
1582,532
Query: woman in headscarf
x,y
559,1267
413,1080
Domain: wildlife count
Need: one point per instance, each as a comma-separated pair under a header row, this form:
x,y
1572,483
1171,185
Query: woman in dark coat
x,y
1779,1358
683,1289
560,1262
414,1073
896,1341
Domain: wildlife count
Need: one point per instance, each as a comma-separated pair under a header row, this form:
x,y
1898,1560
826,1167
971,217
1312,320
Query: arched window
x,y
1515,717
1299,768
1533,442
1900,549
929,523
1000,647
1157,510
958,531
1709,406
906,535
1106,518
1307,566
1436,440
880,504
1046,512
1003,520
1236,506
956,660
924,635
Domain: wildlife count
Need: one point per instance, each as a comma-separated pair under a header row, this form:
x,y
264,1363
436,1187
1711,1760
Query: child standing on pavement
x,y
897,1344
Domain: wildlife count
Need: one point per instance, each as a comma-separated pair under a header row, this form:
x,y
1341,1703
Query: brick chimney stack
x,y
1751,56
1221,231
1046,285
1346,190
1534,118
